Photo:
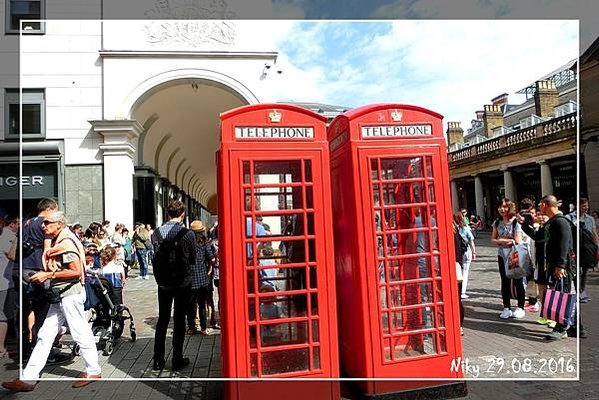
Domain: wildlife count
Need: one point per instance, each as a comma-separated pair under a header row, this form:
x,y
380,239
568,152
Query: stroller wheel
x,y
76,350
133,336
108,348
118,329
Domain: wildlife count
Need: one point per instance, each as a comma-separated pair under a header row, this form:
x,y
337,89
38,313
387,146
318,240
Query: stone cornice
x,y
120,128
113,149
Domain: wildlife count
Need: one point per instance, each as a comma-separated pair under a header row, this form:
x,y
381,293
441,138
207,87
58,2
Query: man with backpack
x,y
559,247
174,255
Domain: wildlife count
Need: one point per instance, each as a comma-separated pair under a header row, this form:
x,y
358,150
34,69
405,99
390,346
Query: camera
x,y
527,215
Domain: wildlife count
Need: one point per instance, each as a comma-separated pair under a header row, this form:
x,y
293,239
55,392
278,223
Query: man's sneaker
x,y
56,358
572,332
465,296
519,313
542,321
146,277
506,313
585,299
551,323
180,364
555,335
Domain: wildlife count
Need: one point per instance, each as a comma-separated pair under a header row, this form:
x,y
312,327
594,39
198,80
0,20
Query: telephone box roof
x,y
266,106
357,112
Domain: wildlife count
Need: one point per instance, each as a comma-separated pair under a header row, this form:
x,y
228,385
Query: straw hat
x,y
197,226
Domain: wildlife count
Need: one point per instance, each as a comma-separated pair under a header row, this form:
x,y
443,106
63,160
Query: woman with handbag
x,y
506,234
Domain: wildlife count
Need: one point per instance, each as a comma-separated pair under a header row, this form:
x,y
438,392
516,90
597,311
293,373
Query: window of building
x,y
17,10
530,121
564,109
34,113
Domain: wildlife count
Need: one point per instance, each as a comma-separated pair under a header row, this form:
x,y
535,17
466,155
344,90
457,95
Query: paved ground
x,y
486,337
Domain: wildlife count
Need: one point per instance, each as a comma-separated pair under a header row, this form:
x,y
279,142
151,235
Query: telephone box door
x,y
278,252
403,201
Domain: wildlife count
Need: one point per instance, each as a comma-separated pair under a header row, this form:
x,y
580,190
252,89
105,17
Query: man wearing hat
x,y
201,287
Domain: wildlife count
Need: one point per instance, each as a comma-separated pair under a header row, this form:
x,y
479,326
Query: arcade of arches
x,y
169,143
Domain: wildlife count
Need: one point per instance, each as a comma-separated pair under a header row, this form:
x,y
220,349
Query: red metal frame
x,y
394,247
278,302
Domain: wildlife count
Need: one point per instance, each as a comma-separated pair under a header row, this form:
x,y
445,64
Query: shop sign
x,y
38,180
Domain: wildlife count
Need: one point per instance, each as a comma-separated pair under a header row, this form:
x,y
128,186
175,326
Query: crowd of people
x,y
536,251
54,260
541,240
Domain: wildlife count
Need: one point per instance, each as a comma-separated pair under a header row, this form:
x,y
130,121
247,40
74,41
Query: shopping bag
x,y
559,306
519,264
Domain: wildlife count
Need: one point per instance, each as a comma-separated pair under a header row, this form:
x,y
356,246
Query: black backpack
x,y
572,256
588,247
168,265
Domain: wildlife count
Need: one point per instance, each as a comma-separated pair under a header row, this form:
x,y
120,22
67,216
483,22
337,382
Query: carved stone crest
x,y
210,30
190,9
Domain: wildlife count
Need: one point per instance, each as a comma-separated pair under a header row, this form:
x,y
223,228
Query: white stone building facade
x,y
121,116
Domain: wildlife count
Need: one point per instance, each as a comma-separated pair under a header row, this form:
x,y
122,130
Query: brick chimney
x,y
500,100
492,118
455,134
546,98
480,114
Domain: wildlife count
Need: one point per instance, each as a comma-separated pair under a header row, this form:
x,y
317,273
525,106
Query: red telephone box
x,y
395,262
276,241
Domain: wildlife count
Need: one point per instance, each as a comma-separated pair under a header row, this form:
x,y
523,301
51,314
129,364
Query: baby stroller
x,y
108,315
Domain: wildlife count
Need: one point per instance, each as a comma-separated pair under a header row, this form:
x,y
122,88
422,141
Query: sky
x,y
585,10
452,67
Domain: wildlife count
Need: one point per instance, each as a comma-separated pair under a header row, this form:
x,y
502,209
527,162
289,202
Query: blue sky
x,y
452,67
585,10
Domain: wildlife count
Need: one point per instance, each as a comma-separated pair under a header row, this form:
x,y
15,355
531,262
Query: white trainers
x,y
519,313
506,313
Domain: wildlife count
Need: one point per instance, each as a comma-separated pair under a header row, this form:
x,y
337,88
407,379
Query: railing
x,y
505,142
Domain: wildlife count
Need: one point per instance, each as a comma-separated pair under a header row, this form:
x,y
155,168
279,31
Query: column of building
x,y
118,150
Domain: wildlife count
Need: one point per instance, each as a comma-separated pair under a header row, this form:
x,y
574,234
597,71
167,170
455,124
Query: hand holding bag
x,y
559,306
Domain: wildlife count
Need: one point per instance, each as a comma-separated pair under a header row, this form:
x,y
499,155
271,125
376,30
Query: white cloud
x,y
452,67
556,9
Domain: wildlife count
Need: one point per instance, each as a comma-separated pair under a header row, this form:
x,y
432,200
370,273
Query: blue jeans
x,y
142,259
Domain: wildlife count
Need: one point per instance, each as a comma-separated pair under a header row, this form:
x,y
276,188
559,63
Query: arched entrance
x,y
178,143
167,143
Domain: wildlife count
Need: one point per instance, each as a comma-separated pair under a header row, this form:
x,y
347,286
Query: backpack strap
x,y
182,232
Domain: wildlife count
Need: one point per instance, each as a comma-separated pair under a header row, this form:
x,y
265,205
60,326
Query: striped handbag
x,y
559,306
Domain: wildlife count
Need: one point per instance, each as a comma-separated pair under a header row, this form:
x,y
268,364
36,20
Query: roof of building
x,y
561,76
592,53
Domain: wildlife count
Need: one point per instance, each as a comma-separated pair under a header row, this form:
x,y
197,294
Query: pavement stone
x,y
486,336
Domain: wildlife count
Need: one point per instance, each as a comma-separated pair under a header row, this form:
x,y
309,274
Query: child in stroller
x,y
104,297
